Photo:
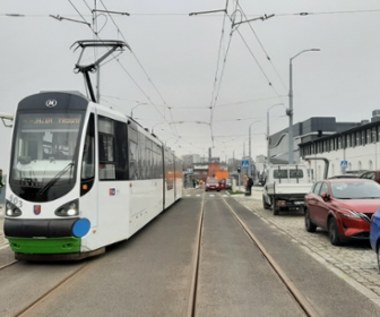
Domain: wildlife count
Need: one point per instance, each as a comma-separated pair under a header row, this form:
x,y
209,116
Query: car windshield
x,y
212,181
284,173
356,190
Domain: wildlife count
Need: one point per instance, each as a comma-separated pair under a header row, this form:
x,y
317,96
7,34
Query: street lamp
x,y
7,119
268,110
138,104
289,111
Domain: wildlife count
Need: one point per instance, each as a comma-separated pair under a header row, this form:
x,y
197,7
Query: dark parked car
x,y
374,175
343,207
212,184
374,237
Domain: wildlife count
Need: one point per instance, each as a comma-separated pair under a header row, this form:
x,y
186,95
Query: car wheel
x,y
333,232
309,225
265,204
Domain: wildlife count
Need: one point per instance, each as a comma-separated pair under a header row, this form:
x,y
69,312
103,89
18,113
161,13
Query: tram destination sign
x,y
56,121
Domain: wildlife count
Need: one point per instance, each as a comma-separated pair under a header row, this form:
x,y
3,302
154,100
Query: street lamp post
x,y
289,111
271,107
249,147
138,104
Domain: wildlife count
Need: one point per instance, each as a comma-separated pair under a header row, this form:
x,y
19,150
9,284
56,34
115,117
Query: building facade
x,y
303,132
354,149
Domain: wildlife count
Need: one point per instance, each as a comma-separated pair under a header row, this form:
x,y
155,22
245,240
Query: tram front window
x,y
44,155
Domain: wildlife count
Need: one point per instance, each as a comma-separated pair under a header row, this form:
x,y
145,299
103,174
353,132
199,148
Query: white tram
x,y
82,177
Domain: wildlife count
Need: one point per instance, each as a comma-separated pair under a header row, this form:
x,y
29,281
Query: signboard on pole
x,y
343,165
244,164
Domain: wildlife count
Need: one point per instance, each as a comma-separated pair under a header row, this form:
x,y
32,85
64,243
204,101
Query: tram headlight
x,y
11,210
69,209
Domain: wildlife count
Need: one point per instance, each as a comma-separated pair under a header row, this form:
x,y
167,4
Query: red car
x,y
212,184
343,207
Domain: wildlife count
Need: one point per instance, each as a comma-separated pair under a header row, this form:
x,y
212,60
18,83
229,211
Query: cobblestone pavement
x,y
354,262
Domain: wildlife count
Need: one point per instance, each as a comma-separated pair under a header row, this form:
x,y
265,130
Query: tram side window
x,y
106,149
133,154
157,157
113,150
169,169
121,150
88,161
141,156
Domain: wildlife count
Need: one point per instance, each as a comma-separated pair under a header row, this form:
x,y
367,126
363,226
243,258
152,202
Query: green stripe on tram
x,y
45,245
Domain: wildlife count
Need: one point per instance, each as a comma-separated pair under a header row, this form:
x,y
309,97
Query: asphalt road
x,y
151,274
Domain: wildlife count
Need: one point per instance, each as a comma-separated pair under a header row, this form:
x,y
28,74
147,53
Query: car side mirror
x,y
325,196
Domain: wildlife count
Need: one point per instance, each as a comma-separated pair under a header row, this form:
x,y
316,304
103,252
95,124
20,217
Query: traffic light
x,y
238,170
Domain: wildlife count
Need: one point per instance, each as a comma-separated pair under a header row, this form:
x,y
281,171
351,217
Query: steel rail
x,y
24,311
294,291
8,265
191,307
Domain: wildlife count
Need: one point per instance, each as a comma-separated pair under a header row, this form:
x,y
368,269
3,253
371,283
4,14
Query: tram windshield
x,y
45,154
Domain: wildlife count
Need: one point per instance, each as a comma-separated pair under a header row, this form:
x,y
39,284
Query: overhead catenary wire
x,y
218,57
214,88
262,47
79,13
258,64
144,71
96,34
304,13
213,105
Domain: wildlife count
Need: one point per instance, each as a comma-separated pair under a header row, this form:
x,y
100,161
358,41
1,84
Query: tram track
x,y
4,266
196,262
50,292
293,290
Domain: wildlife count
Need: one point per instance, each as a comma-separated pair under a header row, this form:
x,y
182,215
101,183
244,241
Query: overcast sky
x,y
169,80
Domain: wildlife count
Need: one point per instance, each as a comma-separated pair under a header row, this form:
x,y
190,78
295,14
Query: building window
x,y
374,135
358,139
348,140
339,142
369,136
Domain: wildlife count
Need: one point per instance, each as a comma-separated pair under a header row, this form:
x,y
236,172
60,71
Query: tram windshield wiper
x,y
57,177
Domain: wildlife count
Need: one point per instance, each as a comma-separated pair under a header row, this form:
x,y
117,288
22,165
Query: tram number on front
x,y
15,201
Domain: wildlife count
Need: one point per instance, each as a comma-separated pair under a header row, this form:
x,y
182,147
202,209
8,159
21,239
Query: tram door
x,y
113,188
